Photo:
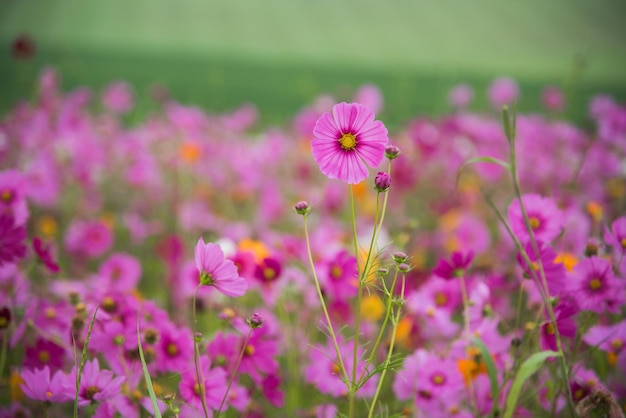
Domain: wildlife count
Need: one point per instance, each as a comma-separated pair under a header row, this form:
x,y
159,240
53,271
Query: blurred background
x,y
280,54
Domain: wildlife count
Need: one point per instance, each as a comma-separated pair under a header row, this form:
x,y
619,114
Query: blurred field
x,y
280,54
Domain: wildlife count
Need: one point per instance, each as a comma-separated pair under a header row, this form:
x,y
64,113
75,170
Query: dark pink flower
x,y
120,272
454,268
12,247
503,91
340,280
348,141
554,272
39,386
89,238
545,218
217,271
45,254
214,385
96,385
594,286
616,236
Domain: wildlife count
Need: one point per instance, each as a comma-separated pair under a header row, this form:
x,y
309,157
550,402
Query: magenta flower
x,y
45,253
95,385
214,385
39,386
554,272
616,237
12,238
89,238
348,141
503,91
216,271
120,272
454,268
341,281
594,286
545,218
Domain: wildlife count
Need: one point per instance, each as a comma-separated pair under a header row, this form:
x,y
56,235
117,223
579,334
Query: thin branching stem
x,y
196,355
234,372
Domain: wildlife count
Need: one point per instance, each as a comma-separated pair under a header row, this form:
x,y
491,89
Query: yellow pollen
x,y
347,142
4,322
534,222
172,349
550,329
623,242
534,266
137,395
595,284
568,260
438,379
6,195
611,358
269,273
50,312
335,272
578,395
335,369
44,356
441,299
249,350
108,304
430,311
48,394
617,344
47,226
196,389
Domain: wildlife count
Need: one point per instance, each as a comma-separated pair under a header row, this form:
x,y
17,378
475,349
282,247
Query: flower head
x,y
12,238
544,217
217,271
348,141
594,286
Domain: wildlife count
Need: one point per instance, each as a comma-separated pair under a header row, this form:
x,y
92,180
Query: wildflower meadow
x,y
198,264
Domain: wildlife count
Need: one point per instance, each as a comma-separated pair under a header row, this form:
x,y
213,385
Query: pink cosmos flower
x,y
554,272
454,268
545,218
95,385
89,238
503,91
118,97
461,96
45,253
594,286
214,385
616,236
12,238
341,281
120,272
348,141
39,386
217,271
553,98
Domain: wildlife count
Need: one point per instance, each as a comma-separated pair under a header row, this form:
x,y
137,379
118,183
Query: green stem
x,y
544,285
396,321
466,322
323,303
234,373
3,353
361,275
382,329
196,355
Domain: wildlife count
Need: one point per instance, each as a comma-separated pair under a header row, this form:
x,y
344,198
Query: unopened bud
x,y
255,320
391,152
302,208
400,257
404,267
382,182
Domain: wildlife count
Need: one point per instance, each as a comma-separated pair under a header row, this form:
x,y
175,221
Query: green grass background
x,y
279,54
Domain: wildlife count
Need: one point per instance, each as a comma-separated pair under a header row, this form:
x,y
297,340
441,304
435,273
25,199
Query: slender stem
x,y
382,329
323,303
3,353
544,285
396,321
468,337
361,275
196,355
234,373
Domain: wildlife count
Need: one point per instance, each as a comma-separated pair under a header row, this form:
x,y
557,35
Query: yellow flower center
x,y
336,272
623,242
534,222
347,142
441,299
172,349
335,369
550,329
617,344
438,379
269,273
44,356
595,284
50,312
6,196
249,350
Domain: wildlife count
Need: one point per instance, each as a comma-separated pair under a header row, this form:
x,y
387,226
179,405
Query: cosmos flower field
x,y
197,264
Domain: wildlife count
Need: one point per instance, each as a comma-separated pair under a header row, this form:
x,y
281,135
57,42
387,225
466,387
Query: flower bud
x,y
382,182
404,267
399,257
255,320
391,152
302,208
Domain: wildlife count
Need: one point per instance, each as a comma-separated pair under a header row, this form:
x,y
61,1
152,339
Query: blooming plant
x,y
470,265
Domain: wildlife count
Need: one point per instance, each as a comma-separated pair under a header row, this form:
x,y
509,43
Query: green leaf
x,y
527,369
83,359
491,371
146,375
485,159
